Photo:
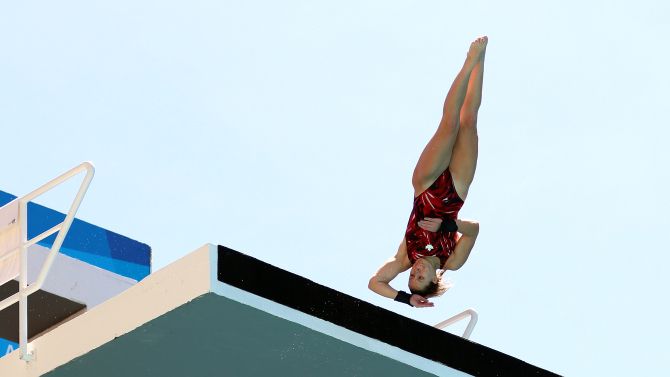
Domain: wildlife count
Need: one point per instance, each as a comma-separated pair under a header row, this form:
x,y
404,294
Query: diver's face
x,y
421,274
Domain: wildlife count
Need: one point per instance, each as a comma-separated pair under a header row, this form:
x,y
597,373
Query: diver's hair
x,y
434,289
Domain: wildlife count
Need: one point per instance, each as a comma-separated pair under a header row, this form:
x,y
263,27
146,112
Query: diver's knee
x,y
469,120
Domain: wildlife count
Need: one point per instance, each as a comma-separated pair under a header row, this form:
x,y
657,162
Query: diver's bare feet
x,y
477,49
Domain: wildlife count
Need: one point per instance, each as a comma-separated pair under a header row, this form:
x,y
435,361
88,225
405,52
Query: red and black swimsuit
x,y
441,201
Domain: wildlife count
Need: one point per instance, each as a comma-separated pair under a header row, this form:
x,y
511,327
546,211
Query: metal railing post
x,y
23,282
22,249
471,325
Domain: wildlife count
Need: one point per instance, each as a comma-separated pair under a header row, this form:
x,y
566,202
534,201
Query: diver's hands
x,y
418,301
430,224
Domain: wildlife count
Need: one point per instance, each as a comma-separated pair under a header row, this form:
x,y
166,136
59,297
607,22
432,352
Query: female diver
x,y
441,181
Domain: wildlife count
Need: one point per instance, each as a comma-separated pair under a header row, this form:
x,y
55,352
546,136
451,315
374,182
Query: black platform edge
x,y
45,310
296,292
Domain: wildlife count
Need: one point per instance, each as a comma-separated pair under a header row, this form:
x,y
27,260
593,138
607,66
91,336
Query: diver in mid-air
x,y
441,181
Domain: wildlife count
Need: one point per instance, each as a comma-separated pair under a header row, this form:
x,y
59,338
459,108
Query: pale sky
x,y
289,131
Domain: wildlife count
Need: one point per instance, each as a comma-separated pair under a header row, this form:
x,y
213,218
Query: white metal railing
x,y
468,313
62,229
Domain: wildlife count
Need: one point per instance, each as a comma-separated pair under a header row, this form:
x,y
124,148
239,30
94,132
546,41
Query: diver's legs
x,y
464,156
436,156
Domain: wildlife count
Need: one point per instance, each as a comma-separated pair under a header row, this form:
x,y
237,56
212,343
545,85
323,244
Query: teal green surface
x,y
216,336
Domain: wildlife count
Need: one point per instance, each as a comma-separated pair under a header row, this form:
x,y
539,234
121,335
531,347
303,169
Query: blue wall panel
x,y
89,243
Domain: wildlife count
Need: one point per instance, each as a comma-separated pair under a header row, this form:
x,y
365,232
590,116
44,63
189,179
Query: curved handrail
x,y
62,229
471,325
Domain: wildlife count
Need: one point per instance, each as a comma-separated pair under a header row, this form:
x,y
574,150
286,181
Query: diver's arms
x,y
379,282
468,228
465,227
469,231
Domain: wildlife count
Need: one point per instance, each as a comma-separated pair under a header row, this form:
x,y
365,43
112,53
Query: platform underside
x,y
215,336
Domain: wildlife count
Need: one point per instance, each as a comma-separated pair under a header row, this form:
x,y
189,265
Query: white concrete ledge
x,y
158,293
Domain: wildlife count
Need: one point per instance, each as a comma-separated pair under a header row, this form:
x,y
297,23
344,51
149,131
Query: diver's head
x,y
425,280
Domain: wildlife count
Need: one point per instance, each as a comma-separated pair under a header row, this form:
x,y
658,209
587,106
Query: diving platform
x,y
219,312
